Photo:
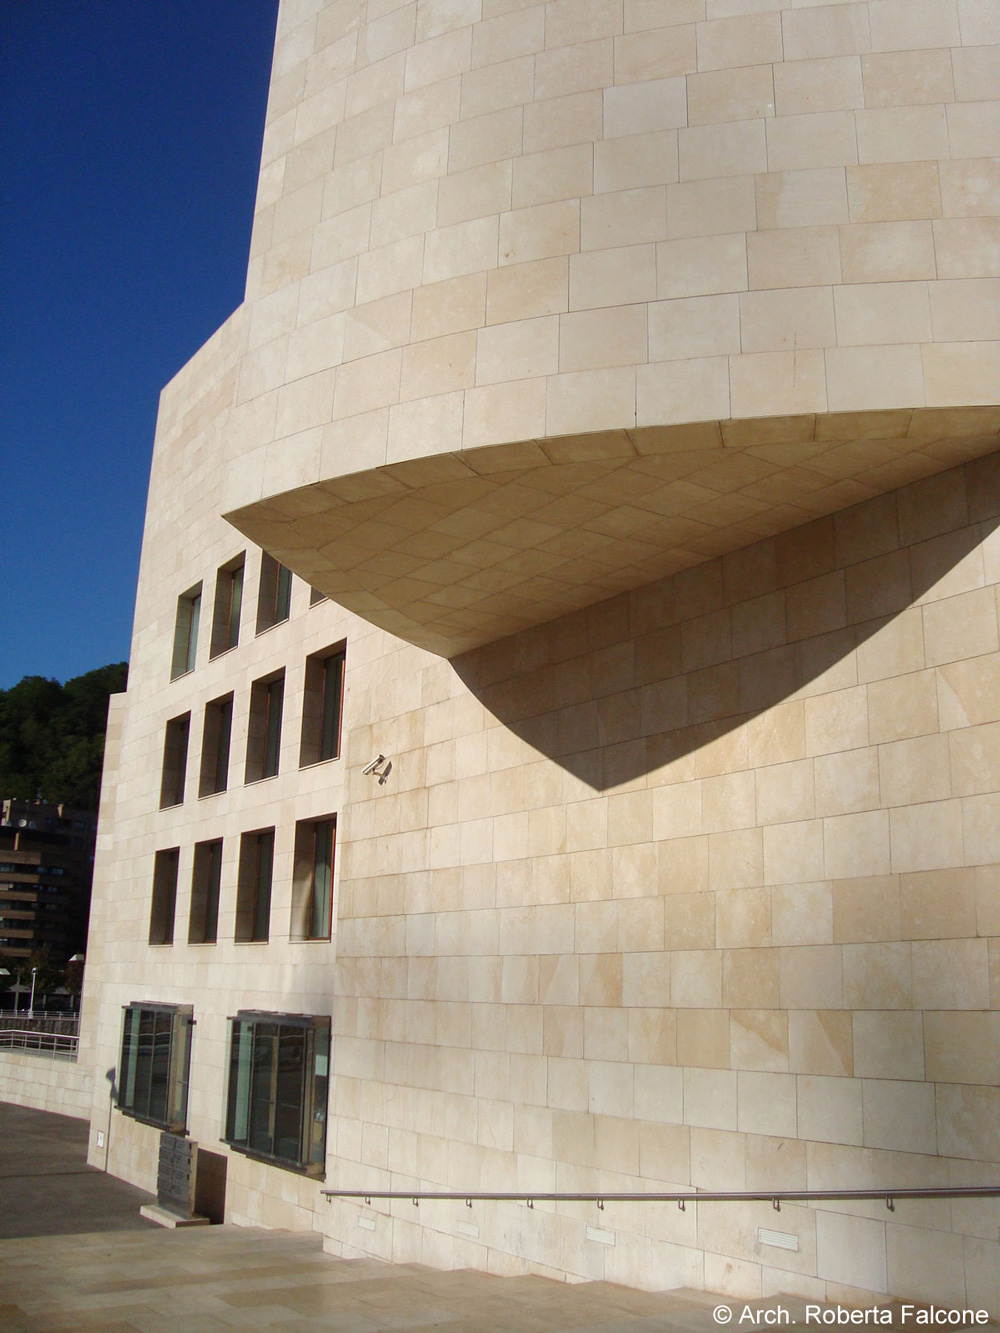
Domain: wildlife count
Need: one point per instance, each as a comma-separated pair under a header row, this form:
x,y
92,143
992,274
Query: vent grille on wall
x,y
782,1240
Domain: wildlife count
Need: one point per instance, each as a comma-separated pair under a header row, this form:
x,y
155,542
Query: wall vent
x,y
602,1236
782,1240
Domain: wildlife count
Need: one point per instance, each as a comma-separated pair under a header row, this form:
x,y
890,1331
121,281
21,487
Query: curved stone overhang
x,y
455,550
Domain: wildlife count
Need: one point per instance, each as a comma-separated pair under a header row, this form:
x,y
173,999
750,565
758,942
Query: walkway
x,y
63,1271
46,1186
236,1278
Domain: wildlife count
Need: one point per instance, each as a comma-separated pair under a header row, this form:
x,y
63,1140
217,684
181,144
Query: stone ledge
x,y
164,1218
456,550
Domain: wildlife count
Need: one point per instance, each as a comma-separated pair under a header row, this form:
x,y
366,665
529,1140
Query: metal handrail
x,y
46,1043
680,1197
66,1024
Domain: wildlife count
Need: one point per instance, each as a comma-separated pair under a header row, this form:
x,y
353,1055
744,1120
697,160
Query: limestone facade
x,y
625,372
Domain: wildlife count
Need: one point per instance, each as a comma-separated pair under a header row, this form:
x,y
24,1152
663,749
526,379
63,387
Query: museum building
x,y
561,751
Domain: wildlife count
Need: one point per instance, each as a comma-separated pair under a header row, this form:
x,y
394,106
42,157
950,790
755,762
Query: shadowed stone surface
x,y
47,1187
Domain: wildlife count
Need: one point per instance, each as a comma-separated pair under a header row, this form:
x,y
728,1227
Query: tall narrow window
x,y
155,1062
175,751
253,895
312,879
275,596
322,707
278,1076
315,596
203,923
264,731
228,604
215,746
161,912
186,632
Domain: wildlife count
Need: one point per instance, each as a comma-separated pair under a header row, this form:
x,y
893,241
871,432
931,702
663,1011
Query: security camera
x,y
370,768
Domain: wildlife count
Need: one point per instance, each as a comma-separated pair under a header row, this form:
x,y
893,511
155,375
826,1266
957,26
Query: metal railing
x,y
57,1045
681,1197
65,1023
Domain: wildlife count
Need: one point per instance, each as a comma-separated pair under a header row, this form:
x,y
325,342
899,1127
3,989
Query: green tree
x,y
47,974
52,736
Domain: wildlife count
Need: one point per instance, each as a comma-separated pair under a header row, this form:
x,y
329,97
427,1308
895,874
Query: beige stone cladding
x,y
62,1086
186,542
457,550
680,317
485,220
578,224
696,888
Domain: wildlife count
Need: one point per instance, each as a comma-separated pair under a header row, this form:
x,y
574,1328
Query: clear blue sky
x,y
130,138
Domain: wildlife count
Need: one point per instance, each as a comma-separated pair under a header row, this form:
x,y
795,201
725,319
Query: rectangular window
x,y
253,893
186,632
155,1064
228,604
275,596
264,729
206,882
322,706
175,753
312,880
278,1077
161,912
315,596
215,746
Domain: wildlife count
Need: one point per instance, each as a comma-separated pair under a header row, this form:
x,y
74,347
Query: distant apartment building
x,y
46,870
626,815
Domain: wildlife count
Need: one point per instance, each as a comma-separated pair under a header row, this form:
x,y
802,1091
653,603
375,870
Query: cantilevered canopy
x,y
455,550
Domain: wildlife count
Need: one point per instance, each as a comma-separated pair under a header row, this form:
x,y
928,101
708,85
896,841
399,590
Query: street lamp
x,y
31,1002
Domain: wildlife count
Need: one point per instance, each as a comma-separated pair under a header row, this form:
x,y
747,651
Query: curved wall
x,y
695,887
483,222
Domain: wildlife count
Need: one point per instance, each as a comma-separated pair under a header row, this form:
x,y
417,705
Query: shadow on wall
x,y
637,682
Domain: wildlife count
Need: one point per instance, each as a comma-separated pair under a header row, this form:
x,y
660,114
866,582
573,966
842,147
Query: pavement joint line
x,y
48,1175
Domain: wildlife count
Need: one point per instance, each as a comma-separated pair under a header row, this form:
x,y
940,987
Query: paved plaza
x,y
46,1186
227,1278
75,1257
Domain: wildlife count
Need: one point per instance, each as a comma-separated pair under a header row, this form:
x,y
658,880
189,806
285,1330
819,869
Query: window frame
x,y
216,745
307,922
186,625
228,609
323,706
163,902
274,593
254,1059
206,891
254,887
173,775
173,1023
267,704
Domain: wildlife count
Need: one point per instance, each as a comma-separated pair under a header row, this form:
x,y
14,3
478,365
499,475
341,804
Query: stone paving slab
x,y
227,1278
75,1257
46,1186
214,1280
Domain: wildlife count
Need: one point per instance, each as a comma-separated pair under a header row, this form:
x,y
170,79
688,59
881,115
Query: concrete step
x,y
214,1279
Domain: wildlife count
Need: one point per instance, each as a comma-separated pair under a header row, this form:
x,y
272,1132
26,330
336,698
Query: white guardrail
x,y
56,1045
